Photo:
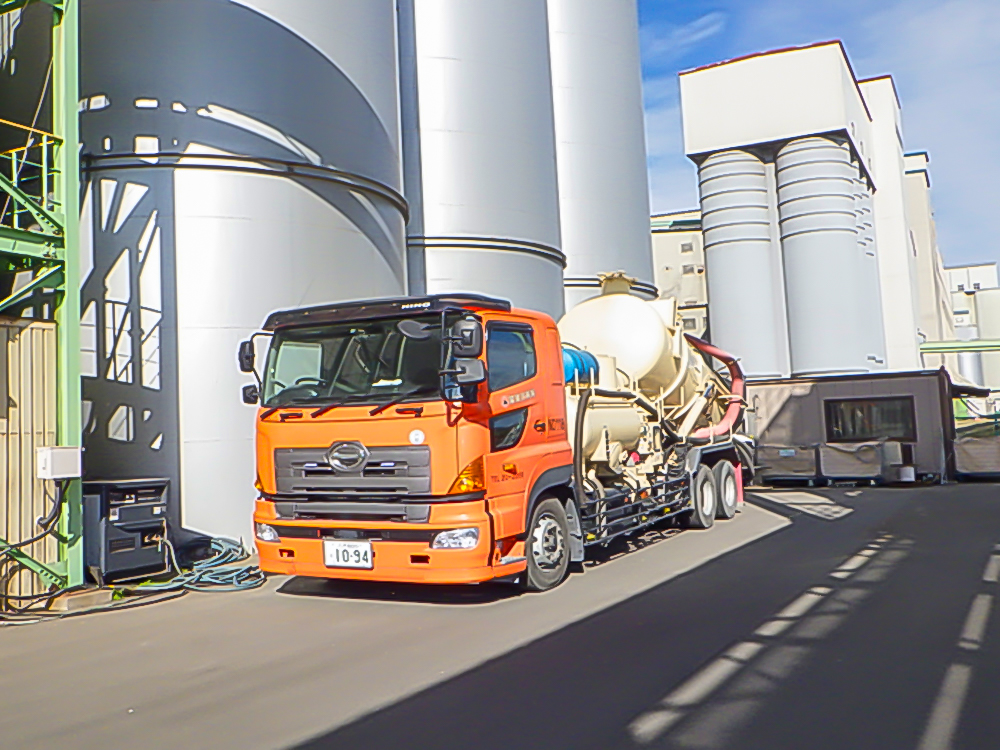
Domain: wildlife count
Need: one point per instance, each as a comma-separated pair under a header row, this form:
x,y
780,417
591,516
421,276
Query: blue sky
x,y
944,57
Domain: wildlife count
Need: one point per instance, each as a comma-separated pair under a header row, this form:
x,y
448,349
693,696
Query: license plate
x,y
337,554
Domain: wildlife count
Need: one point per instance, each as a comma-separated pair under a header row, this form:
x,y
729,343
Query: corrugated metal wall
x,y
27,421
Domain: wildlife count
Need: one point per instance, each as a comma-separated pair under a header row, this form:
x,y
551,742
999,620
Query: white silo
x,y
239,157
743,263
600,144
868,254
825,283
480,169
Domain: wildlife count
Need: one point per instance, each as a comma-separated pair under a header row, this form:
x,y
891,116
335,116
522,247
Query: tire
x,y
704,500
546,546
727,489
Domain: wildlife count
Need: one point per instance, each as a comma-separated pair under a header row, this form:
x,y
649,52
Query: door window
x,y
506,429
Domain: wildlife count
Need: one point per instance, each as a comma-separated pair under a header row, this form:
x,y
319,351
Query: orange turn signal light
x,y
471,479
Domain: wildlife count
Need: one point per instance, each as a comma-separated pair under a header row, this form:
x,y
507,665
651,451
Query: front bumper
x,y
300,551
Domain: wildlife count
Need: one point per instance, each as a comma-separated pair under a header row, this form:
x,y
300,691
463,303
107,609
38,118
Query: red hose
x,y
735,408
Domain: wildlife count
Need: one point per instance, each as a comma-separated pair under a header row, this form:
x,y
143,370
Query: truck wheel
x,y
547,546
725,483
704,499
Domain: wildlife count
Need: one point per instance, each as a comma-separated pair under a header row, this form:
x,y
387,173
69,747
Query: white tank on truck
x,y
646,407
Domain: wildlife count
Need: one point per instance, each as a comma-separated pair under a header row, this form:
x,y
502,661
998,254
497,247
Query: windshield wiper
x,y
332,405
287,405
400,398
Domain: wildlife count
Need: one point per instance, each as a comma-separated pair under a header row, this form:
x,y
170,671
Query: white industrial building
x,y
820,251
975,309
935,322
679,267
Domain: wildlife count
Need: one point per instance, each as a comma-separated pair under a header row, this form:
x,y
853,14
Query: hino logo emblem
x,y
349,456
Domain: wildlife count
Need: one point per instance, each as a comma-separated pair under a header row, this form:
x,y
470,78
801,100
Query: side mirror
x,y
251,394
470,371
246,356
467,338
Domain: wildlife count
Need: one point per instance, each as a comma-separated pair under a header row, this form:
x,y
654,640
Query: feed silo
x,y
868,254
239,157
825,283
480,170
743,262
600,144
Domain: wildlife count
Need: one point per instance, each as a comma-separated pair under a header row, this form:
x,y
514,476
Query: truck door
x,y
517,421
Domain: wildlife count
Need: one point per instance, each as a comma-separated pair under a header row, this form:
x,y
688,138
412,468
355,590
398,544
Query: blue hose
x,y
215,573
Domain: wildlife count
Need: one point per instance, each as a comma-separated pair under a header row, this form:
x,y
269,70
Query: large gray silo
x,y
868,254
239,157
825,282
480,169
743,263
600,144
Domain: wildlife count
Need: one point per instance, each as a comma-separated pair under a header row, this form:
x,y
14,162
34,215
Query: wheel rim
x,y
547,543
707,498
729,492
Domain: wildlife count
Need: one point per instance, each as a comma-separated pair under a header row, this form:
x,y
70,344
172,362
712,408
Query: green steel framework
x,y
948,347
49,247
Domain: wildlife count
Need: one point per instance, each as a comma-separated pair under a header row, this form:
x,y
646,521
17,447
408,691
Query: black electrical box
x,y
124,523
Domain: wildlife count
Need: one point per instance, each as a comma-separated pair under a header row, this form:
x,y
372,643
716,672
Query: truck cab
x,y
412,440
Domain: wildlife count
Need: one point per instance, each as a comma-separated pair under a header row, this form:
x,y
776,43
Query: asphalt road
x,y
835,633
827,619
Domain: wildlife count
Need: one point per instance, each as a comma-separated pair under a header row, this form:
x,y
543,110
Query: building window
x,y
690,324
961,287
510,355
687,247
975,285
858,420
687,270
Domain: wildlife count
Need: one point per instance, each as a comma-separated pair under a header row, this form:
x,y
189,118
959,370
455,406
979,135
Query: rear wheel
x,y
704,499
547,546
725,484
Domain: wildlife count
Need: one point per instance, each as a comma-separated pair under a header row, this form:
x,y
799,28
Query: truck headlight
x,y
456,539
266,533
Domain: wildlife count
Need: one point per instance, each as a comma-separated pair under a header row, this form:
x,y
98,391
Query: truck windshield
x,y
370,361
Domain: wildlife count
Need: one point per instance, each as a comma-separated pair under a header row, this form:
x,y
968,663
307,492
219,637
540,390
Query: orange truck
x,y
455,439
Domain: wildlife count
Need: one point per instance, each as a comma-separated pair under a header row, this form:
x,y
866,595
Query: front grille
x,y
385,535
389,470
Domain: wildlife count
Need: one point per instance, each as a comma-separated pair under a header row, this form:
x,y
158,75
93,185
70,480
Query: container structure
x,y
27,422
480,170
239,157
743,263
825,282
600,144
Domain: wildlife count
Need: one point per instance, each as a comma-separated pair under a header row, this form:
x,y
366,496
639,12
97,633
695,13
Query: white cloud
x,y
664,43
945,59
672,180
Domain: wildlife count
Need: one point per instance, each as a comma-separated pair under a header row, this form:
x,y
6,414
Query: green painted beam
x,y
51,277
51,225
53,574
27,244
948,347
66,125
9,5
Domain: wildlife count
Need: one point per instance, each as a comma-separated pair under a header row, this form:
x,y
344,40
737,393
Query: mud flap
x,y
575,532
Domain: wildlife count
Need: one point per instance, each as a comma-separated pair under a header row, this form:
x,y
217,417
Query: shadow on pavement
x,y
482,593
